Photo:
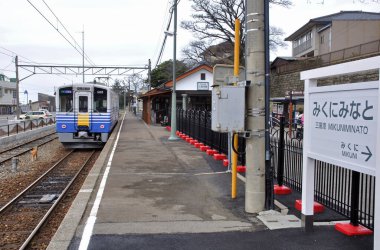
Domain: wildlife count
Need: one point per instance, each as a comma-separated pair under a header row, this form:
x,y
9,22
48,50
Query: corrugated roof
x,y
340,16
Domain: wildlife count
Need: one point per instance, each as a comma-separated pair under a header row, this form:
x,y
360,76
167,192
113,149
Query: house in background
x,y
8,95
324,41
45,102
335,32
192,88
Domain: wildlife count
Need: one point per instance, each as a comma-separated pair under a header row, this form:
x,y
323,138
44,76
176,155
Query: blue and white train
x,y
86,114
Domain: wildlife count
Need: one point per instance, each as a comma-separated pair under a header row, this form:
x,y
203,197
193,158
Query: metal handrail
x,y
20,126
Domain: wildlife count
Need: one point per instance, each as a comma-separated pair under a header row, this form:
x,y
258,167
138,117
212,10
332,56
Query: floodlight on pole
x,y
168,33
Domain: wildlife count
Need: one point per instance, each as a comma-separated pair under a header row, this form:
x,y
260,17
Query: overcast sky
x,y
118,32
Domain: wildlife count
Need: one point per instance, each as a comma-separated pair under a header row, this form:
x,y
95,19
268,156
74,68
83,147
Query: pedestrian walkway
x,y
160,194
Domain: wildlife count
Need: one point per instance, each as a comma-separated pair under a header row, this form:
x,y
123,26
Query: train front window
x,y
83,104
100,100
66,99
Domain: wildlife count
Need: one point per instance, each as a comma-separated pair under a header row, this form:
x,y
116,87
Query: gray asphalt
x,y
168,195
285,239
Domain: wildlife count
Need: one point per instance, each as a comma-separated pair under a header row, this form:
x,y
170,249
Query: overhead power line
x,y
6,54
56,28
27,59
164,41
76,43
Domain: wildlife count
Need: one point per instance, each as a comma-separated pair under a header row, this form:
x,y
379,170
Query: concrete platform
x,y
146,192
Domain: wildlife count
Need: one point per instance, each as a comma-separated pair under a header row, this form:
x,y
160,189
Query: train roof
x,y
85,84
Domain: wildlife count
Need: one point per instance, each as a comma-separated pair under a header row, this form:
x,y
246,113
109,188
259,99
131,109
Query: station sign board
x,y
341,128
202,86
343,125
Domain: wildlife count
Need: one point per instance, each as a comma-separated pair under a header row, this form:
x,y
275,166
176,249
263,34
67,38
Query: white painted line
x,y
212,173
240,177
89,227
85,190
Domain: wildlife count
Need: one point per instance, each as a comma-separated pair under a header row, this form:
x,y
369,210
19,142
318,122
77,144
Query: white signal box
x,y
228,108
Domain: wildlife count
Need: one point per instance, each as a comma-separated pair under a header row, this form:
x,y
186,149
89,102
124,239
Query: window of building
x,y
322,39
203,76
1,91
14,94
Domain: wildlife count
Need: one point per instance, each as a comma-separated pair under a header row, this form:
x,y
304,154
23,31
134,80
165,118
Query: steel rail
x,y
35,182
25,150
43,220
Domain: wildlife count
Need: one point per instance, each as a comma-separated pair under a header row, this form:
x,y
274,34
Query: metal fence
x,y
347,192
16,127
197,124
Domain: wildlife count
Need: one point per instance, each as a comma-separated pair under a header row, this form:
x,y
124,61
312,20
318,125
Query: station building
x,y
193,89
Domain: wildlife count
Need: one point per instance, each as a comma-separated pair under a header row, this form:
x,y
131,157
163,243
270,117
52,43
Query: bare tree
x,y
214,22
135,82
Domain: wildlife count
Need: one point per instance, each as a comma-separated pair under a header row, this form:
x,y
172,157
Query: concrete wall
x,y
346,34
190,82
291,81
6,93
324,47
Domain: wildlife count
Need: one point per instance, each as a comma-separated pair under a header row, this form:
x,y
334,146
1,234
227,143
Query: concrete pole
x,y
149,74
173,119
17,90
125,100
255,145
184,101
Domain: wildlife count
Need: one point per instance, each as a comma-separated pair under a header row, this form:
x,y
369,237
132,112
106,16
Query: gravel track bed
x,y
11,183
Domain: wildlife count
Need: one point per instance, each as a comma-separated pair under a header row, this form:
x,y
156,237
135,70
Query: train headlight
x,y
102,126
63,126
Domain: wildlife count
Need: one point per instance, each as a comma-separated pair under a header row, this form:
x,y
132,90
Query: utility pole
x,y
17,90
269,195
255,122
83,53
149,74
173,119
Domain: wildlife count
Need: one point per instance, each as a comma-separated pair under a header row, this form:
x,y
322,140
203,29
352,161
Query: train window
x,y
100,100
66,99
83,104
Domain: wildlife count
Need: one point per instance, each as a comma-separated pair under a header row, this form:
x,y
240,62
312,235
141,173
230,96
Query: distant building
x,y
335,32
8,95
46,102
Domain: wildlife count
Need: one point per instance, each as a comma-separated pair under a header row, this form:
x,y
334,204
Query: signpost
x,y
341,128
202,86
343,123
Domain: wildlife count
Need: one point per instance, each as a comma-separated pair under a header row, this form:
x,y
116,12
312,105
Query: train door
x,y
83,107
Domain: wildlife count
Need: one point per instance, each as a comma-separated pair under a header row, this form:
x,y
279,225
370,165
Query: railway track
x,y
9,153
25,214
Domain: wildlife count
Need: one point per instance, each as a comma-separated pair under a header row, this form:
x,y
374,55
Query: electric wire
x,y
27,61
76,43
5,68
80,52
164,42
6,54
166,35
161,34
